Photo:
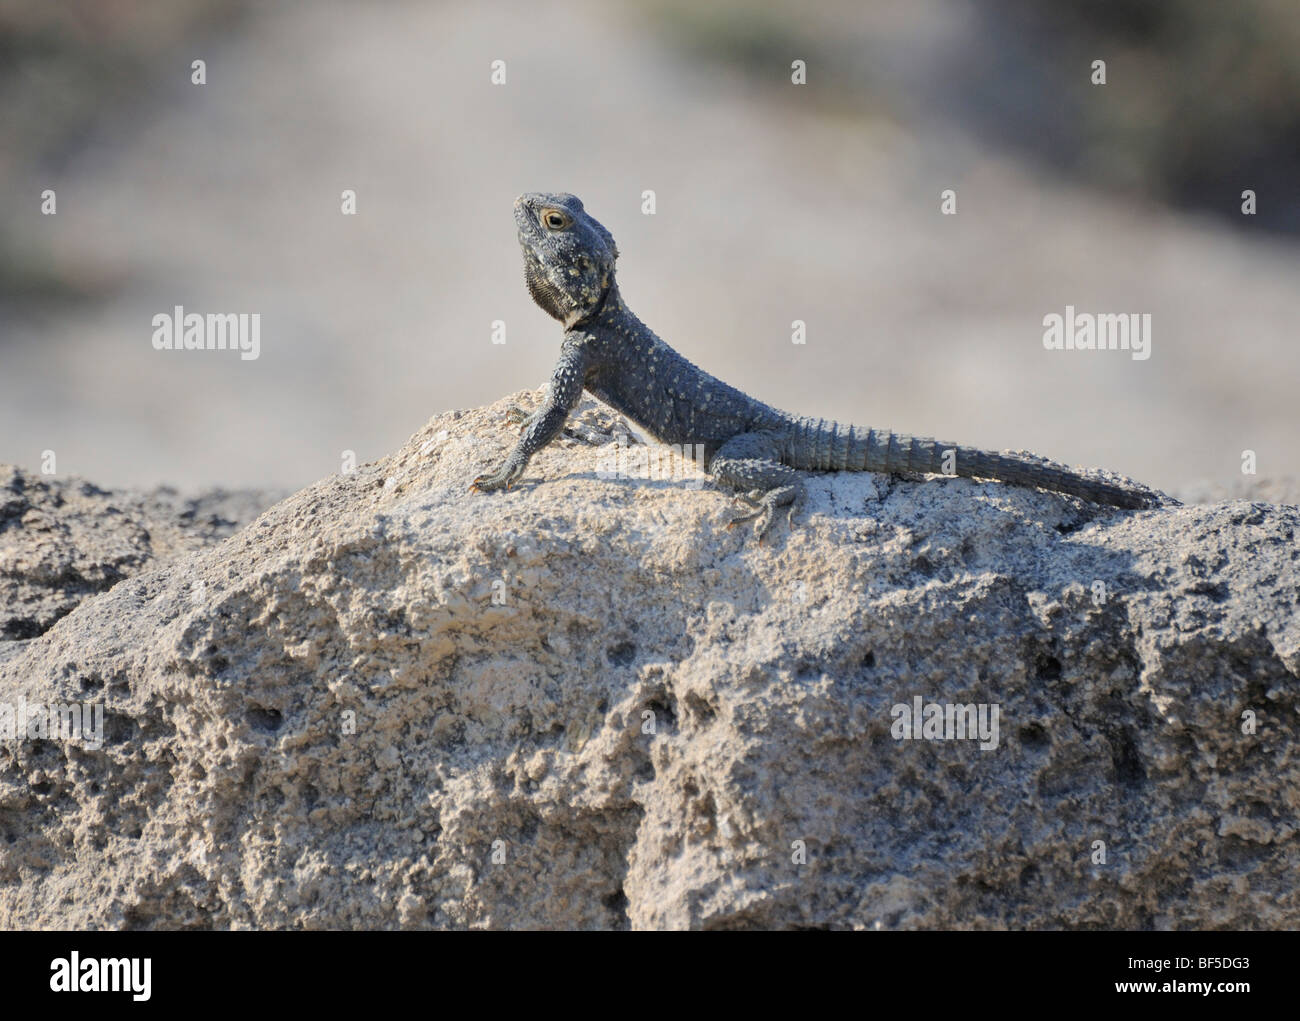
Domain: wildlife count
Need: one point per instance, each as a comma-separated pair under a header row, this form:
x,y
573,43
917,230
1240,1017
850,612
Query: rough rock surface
x,y
62,540
587,703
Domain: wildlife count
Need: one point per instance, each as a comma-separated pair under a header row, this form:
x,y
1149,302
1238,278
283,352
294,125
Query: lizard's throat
x,y
548,297
555,302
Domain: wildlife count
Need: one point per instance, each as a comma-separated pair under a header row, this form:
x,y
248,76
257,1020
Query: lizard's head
x,y
568,256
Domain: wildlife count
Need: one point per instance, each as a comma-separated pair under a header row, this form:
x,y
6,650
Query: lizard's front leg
x,y
543,425
751,461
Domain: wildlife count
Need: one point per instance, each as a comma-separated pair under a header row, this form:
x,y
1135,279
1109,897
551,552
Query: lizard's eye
x,y
554,219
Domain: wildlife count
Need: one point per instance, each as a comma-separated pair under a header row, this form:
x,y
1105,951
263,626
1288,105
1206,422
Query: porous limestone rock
x,y
389,702
62,540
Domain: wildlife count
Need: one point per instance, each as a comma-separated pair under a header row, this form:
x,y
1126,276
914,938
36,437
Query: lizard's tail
x,y
828,446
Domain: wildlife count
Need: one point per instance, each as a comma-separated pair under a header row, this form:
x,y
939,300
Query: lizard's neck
x,y
613,316
615,331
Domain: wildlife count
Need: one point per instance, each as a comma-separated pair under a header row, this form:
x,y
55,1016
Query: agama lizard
x,y
569,268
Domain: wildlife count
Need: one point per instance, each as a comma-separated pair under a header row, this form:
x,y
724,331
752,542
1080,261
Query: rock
x,y
586,703
62,540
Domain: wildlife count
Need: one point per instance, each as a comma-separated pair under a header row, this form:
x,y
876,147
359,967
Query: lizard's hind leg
x,y
750,462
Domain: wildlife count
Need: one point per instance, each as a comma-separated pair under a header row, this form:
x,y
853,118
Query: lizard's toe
x,y
490,483
750,515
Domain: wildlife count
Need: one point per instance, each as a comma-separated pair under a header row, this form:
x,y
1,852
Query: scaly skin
x,y
569,268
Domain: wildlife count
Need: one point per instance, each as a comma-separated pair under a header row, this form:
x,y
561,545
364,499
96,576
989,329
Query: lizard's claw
x,y
765,505
503,478
740,519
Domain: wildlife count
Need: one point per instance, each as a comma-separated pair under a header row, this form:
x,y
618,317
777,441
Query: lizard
x,y
750,446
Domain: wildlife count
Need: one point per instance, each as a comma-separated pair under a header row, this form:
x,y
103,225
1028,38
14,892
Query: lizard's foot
x,y
590,435
751,462
596,427
503,478
751,500
765,506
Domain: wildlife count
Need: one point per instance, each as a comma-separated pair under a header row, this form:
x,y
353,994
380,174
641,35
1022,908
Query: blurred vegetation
x,y
1202,97
1208,97
1202,100
64,68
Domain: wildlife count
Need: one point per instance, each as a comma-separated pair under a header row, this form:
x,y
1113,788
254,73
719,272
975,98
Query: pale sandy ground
x,y
771,207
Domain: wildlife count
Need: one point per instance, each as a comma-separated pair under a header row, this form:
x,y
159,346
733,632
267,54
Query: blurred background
x,y
775,202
